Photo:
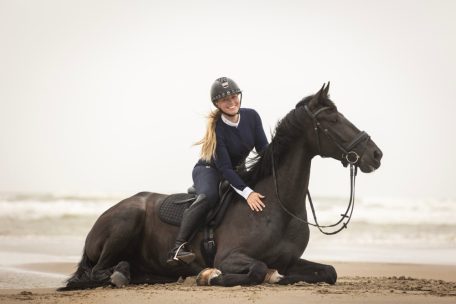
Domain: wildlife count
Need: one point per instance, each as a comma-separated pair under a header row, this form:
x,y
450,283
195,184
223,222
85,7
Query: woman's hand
x,y
254,201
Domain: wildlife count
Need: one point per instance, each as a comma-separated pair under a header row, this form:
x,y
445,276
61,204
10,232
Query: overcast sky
x,y
109,96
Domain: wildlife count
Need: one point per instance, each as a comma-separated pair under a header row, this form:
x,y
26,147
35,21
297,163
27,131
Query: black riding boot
x,y
193,217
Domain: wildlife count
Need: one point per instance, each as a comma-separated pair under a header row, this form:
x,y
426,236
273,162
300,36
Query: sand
x,y
357,283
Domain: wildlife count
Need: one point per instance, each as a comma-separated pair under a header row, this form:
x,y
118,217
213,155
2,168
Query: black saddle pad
x,y
173,207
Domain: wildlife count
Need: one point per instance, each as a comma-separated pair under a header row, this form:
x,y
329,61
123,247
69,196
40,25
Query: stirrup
x,y
187,258
177,251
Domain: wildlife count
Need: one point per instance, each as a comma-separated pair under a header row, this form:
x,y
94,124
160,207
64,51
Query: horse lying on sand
x,y
129,244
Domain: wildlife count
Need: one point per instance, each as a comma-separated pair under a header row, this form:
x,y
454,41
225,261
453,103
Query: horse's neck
x,y
293,178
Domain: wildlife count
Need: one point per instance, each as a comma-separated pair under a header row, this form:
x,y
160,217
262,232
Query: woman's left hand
x,y
254,201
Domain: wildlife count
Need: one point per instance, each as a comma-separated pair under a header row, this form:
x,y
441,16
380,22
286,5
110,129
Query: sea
x,y
50,229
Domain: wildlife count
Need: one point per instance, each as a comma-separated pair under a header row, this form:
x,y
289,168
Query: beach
x,y
357,283
379,259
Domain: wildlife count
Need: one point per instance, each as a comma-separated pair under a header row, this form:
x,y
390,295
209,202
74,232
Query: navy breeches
x,y
206,180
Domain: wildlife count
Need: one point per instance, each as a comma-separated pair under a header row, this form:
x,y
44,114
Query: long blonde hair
x,y
209,141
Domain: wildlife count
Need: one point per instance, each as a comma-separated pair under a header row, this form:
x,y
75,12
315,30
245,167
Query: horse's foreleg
x,y
309,272
237,270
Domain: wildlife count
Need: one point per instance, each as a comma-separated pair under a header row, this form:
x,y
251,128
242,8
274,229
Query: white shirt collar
x,y
230,123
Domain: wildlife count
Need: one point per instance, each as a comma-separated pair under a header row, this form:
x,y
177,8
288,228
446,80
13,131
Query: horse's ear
x,y
326,91
313,103
321,90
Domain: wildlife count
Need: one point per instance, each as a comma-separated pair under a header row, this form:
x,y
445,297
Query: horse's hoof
x,y
206,275
118,279
272,276
331,275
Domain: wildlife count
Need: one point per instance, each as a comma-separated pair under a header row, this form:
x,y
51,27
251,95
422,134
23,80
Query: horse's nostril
x,y
378,154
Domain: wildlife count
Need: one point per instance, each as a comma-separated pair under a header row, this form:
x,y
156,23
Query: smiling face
x,y
229,105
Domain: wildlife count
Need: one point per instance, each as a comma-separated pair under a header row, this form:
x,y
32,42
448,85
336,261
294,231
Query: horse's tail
x,y
80,279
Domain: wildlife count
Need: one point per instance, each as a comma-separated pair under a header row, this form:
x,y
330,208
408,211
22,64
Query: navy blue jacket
x,y
234,144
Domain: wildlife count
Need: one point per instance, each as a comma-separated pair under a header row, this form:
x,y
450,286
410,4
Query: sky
x,y
102,97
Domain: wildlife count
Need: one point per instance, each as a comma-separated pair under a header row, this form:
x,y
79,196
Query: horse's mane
x,y
287,130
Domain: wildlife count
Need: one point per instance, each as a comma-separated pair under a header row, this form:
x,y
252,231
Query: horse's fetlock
x,y
124,268
272,277
119,280
206,275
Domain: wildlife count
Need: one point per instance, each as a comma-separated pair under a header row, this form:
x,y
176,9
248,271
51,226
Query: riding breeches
x,y
206,180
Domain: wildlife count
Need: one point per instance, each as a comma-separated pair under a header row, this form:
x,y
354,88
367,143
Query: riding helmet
x,y
223,87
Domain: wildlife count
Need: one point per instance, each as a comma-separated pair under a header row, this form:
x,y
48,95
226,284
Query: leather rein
x,y
349,157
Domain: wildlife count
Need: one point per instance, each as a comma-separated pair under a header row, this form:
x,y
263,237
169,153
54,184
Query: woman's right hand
x,y
254,201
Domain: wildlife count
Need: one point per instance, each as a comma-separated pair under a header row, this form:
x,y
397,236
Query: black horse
x,y
129,244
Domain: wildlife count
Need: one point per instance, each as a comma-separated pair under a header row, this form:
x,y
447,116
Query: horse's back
x,y
135,203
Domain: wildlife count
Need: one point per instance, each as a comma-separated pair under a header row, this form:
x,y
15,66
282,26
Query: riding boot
x,y
192,218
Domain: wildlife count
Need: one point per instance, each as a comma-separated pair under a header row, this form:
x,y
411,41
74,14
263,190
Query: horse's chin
x,y
368,168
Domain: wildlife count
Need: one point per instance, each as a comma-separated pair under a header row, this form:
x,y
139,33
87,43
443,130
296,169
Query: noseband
x,y
349,156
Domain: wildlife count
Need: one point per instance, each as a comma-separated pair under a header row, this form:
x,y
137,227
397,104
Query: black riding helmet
x,y
223,87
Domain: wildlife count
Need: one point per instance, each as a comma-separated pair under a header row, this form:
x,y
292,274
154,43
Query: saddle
x,y
172,210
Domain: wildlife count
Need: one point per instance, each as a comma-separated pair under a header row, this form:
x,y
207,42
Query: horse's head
x,y
333,135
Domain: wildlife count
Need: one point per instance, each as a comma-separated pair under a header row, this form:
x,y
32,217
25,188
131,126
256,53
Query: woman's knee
x,y
210,200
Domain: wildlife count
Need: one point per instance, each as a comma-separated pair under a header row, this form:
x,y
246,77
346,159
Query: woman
x,y
231,135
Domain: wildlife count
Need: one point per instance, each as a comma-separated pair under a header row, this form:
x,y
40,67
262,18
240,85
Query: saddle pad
x,y
173,207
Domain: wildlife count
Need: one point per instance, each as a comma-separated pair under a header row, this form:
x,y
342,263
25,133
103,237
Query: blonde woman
x,y
231,134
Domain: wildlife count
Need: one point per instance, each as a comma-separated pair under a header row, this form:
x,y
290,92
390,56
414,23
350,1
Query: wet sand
x,y
357,283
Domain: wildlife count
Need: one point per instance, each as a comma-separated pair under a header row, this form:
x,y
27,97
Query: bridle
x,y
349,157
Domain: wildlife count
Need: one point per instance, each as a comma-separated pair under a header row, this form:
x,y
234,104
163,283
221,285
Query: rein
x,y
348,156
